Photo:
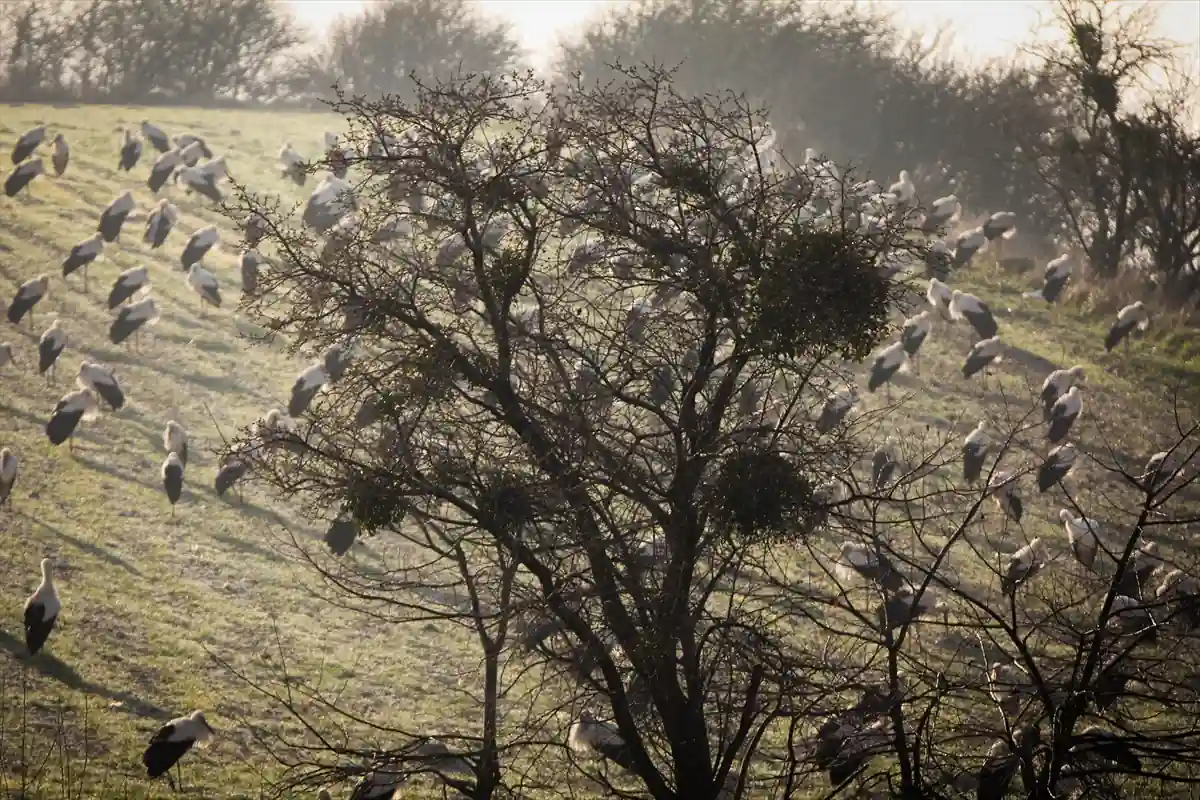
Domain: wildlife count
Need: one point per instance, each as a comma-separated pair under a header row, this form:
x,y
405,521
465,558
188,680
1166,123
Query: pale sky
x,y
982,28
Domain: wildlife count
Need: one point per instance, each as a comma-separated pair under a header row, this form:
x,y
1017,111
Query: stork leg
x,y
85,280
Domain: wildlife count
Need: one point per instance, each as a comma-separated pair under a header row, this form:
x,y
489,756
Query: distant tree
x,y
34,38
375,52
591,341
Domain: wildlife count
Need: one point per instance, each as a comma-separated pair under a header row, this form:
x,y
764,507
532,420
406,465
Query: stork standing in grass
x,y
172,478
836,407
28,296
941,213
940,297
66,415
191,150
1059,462
249,264
101,381
22,176
1000,227
330,201
591,738
62,155
131,319
204,283
230,474
127,284
30,140
159,224
887,363
8,476
1004,489
200,181
175,440
1063,415
198,245
115,215
291,165
172,741
50,347
41,610
975,311
982,355
1134,316
966,245
1081,535
913,335
974,452
1057,383
254,228
307,384
1023,566
164,167
131,151
1058,272
156,136
82,255
938,261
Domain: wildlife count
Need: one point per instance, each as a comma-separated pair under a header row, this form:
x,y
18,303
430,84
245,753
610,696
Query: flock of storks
x,y
180,161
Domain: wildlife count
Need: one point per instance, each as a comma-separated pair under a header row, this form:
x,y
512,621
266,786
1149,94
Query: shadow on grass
x,y
91,549
50,666
245,545
112,471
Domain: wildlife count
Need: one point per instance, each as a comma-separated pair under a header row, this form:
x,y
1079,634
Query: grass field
x,y
146,596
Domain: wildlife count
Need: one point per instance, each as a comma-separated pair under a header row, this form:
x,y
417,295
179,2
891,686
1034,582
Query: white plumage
x,y
196,179
199,244
8,476
982,355
127,284
131,151
589,737
1082,536
156,136
967,244
975,311
41,610
330,201
100,380
307,384
66,415
903,189
1134,316
887,363
1002,223
175,440
940,297
173,740
291,165
204,283
1058,271
164,166
30,140
22,175
62,154
1063,414
1023,566
1059,462
1056,384
1004,489
50,346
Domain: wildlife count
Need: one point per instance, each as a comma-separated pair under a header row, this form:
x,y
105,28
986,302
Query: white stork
x,y
22,175
903,189
101,381
8,476
836,407
131,151
204,283
41,610
50,347
1063,415
975,311
1023,566
940,297
173,740
175,440
254,228
1131,317
1058,463
127,284
198,245
83,254
131,318
1055,278
164,167
249,264
589,737
939,260
115,215
192,151
196,179
156,136
862,560
966,245
291,165
982,355
1002,223
887,363
228,475
916,330
30,140
66,415
28,295
1004,489
1082,536
62,155
1056,384
943,211
307,384
974,451
172,478
330,201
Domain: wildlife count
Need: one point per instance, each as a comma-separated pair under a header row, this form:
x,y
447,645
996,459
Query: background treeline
x,y
1085,138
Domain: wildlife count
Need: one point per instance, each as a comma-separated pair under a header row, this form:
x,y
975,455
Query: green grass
x,y
147,595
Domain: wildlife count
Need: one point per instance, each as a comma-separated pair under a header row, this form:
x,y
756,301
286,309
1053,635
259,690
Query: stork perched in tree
x,y
1063,414
82,255
28,295
115,215
198,245
175,440
131,151
913,335
1057,383
589,737
41,610
131,318
982,355
8,476
156,136
966,245
887,363
1057,273
204,283
127,284
62,155
836,407
30,140
291,165
1004,489
172,741
974,452
1134,316
940,297
164,167
975,311
1023,566
50,347
1058,463
66,415
22,175
1082,536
